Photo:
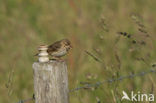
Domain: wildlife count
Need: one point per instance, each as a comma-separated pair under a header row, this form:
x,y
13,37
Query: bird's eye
x,y
67,43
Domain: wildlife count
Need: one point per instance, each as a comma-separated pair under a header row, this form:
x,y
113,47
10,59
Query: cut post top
x,y
46,65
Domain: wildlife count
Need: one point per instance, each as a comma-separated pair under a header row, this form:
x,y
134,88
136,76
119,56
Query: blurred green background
x,y
90,25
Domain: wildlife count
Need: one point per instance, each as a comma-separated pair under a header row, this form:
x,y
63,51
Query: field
x,y
110,38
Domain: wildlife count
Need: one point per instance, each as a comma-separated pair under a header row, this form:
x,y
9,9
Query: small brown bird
x,y
59,48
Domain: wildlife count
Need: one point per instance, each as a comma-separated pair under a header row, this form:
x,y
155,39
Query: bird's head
x,y
67,44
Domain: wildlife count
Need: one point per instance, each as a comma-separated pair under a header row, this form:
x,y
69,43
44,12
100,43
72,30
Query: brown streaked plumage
x,y
59,48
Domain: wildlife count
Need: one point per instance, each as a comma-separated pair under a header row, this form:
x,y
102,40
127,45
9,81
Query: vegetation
x,y
119,33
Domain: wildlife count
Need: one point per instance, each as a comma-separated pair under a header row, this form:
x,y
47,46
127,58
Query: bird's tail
x,y
36,54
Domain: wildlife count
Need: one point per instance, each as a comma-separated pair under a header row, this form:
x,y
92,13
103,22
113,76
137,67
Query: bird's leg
x,y
57,59
54,58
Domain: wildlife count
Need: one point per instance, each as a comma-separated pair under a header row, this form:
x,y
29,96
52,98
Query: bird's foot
x,y
57,59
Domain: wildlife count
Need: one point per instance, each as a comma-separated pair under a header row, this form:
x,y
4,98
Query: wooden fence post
x,y
51,82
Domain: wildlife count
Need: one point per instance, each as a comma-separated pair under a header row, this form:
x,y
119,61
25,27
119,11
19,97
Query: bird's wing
x,y
54,47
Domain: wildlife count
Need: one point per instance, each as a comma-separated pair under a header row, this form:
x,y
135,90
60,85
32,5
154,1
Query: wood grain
x,y
51,82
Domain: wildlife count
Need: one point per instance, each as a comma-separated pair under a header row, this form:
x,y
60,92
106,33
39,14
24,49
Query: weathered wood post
x,y
50,80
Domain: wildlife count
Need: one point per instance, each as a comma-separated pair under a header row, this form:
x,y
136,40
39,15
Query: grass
x,y
90,25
